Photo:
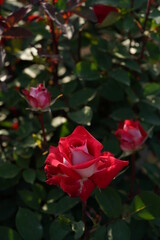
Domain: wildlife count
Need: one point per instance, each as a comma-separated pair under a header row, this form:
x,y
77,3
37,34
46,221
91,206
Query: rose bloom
x,y
39,98
102,11
78,166
131,135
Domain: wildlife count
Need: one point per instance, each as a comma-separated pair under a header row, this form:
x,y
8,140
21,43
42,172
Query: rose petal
x,y
86,189
112,167
70,186
93,145
87,172
79,157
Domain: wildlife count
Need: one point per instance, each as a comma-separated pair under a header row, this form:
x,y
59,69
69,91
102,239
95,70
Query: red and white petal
x,y
112,167
87,187
93,145
70,186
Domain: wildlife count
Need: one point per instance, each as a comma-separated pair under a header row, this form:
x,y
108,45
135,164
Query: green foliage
x,y
28,224
110,202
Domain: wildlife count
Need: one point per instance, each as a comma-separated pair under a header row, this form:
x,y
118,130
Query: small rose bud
x,y
131,135
39,98
1,2
15,126
102,11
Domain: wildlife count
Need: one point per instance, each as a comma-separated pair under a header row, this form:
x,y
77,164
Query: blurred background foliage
x,y
107,72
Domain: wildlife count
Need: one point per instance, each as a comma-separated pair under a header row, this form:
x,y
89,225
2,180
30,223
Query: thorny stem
x,y
144,40
130,195
55,51
43,130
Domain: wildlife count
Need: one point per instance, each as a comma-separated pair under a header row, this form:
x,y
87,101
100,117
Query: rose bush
x,y
78,165
131,135
39,97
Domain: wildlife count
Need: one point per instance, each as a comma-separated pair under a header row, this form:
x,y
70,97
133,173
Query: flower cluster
x,y
77,164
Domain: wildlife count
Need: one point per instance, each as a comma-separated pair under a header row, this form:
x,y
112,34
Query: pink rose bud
x,y
78,166
102,11
131,135
39,98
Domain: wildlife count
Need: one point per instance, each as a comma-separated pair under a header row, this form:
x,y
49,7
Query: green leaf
x,y
111,144
100,233
149,115
55,194
112,91
153,101
29,175
28,224
7,208
78,228
86,13
83,116
121,76
132,97
118,231
138,229
69,87
151,89
103,59
58,231
114,3
109,20
146,206
63,205
8,170
7,183
156,16
31,199
81,97
87,71
122,114
132,65
153,172
110,202
7,233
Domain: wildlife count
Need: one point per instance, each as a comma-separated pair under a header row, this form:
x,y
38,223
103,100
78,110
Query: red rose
x,y
78,165
102,11
131,135
1,2
39,98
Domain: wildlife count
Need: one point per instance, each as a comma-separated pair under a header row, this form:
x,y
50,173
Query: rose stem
x,y
55,48
43,130
132,5
84,204
55,51
144,40
79,45
130,195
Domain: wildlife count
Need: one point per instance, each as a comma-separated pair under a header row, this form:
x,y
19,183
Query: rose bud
x,y
15,126
102,11
39,98
78,166
131,135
